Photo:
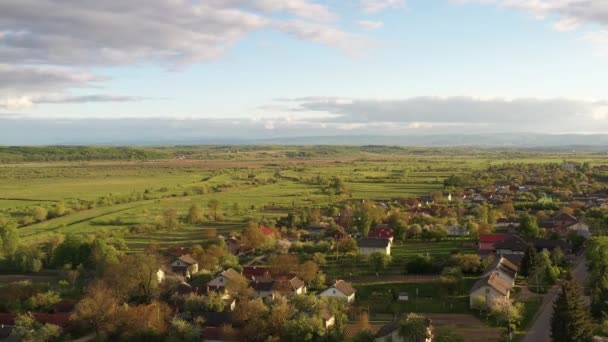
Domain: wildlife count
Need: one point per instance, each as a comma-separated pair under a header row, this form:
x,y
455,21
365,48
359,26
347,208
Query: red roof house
x,y
381,231
266,231
255,272
487,241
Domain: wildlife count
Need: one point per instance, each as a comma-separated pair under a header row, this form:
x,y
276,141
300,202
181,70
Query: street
x,y
541,330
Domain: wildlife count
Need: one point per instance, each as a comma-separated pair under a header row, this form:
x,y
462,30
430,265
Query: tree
x,y
280,313
304,328
468,263
570,321
196,214
98,309
134,276
557,256
364,336
308,271
529,227
181,330
214,206
379,260
528,261
505,312
413,328
169,219
348,245
252,237
479,303
451,279
40,214
9,237
28,329
419,264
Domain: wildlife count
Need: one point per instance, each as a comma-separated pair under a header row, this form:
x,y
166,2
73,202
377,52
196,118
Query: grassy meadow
x,y
259,182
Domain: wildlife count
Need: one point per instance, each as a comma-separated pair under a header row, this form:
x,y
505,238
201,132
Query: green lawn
x,y
423,297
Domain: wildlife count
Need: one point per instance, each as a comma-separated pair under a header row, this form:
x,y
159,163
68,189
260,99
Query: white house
x,y
504,268
185,265
223,280
340,289
368,246
160,275
489,289
579,228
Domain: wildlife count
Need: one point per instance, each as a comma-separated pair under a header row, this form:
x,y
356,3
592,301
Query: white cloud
x,y
468,113
46,44
369,24
15,102
570,14
352,44
299,8
375,6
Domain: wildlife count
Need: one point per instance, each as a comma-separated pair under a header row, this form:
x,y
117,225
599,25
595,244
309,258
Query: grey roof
x,y
514,243
187,259
374,242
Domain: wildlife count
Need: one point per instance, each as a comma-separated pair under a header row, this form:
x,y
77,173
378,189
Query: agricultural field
x,y
249,182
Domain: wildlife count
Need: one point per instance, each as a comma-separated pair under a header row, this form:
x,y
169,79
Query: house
x,y
457,231
234,245
479,199
185,265
317,231
507,222
487,241
390,331
504,268
340,233
183,288
160,275
511,245
267,231
490,288
564,224
256,272
569,166
329,320
580,229
283,286
223,280
368,246
381,231
340,289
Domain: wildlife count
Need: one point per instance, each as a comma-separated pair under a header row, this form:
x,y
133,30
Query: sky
x,y
115,70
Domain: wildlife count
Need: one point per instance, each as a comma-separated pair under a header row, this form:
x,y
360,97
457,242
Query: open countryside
x,y
454,244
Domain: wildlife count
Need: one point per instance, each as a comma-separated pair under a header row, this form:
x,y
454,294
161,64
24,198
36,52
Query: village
x,y
470,263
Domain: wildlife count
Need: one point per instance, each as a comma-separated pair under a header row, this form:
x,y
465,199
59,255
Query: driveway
x,y
541,329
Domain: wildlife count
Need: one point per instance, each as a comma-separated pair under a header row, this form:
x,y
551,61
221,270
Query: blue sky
x,y
277,67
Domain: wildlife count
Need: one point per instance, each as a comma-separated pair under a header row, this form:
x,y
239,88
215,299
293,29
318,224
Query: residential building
x,y
511,245
185,265
490,288
341,289
368,246
381,231
487,241
222,280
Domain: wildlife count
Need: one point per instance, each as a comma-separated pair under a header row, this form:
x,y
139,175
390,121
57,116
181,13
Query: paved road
x,y
540,331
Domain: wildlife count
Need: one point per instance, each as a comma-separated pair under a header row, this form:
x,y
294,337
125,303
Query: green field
x,y
265,182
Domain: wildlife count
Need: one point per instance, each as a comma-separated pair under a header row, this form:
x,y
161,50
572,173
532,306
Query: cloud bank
x,y
47,46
